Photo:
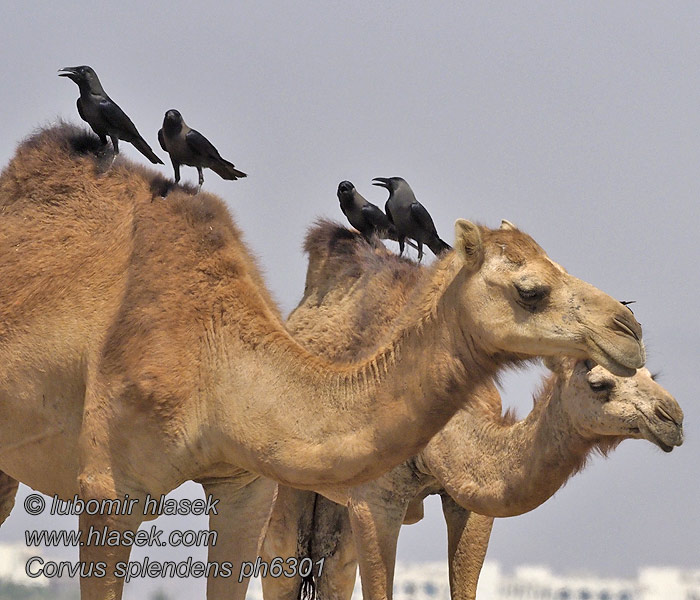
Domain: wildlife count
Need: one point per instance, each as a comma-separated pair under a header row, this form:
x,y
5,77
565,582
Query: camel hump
x,y
55,192
326,236
338,255
65,136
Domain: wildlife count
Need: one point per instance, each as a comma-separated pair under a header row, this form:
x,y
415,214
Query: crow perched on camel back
x,y
186,146
103,114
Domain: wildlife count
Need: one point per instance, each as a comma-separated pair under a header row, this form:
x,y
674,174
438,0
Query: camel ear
x,y
468,244
507,225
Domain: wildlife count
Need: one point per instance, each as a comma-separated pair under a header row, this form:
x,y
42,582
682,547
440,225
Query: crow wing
x,y
375,217
117,118
161,139
422,218
388,213
201,145
80,110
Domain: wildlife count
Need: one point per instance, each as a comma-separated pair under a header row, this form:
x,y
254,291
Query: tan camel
x,y
139,349
477,462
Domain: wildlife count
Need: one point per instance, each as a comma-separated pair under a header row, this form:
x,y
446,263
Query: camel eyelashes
x,y
532,295
527,294
600,386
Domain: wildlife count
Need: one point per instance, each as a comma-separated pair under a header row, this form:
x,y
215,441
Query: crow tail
x,y
437,246
226,170
141,145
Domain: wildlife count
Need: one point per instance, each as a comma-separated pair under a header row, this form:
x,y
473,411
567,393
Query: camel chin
x,y
665,439
620,364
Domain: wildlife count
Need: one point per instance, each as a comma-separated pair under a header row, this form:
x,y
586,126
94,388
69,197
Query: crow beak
x,y
381,182
67,72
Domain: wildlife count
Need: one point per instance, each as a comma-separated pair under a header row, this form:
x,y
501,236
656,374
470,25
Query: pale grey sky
x,y
580,122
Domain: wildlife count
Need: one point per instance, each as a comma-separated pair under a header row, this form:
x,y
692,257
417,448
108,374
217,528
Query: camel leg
x,y
106,473
288,535
334,543
414,512
337,580
376,522
306,525
243,513
8,491
111,585
467,540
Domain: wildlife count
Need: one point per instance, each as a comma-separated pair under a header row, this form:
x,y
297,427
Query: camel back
x,y
352,289
70,226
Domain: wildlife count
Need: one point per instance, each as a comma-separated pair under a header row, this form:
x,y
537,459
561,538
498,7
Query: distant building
x,y
429,581
539,582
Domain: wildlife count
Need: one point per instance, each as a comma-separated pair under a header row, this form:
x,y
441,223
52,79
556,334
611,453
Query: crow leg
x,y
115,143
420,251
401,239
201,178
115,146
176,168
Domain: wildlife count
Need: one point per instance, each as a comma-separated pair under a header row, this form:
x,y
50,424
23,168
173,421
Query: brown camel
x,y
478,462
140,349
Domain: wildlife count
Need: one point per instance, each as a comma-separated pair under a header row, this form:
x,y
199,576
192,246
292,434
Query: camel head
x,y
605,407
528,305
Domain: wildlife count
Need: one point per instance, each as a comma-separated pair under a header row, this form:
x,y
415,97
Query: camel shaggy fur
x,y
140,349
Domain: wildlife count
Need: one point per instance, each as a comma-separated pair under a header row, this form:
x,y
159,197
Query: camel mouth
x,y
660,443
605,360
666,440
622,364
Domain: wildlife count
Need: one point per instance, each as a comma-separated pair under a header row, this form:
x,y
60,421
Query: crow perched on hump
x,y
364,216
103,114
187,146
409,216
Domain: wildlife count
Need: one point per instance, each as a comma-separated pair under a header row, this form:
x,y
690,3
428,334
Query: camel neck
x,y
318,422
503,470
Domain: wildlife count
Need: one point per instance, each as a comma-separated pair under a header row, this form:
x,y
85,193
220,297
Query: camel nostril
x,y
628,328
663,415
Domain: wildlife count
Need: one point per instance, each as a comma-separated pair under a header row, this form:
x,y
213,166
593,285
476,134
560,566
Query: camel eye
x,y
600,386
531,295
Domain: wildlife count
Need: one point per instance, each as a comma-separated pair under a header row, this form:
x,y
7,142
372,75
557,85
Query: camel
x,y
479,462
476,463
140,349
